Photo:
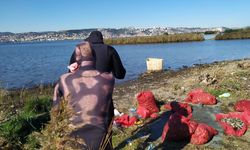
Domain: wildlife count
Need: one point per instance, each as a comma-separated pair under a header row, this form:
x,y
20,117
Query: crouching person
x,y
88,93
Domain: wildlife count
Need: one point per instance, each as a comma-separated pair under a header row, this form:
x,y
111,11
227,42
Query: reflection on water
x,y
28,64
209,36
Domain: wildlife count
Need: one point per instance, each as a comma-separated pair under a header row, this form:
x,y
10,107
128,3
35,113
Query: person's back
x,y
107,58
89,95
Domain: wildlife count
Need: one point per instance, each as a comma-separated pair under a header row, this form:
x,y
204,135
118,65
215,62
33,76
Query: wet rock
x,y
207,79
243,65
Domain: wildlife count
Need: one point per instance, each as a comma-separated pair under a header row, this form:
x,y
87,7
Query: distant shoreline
x,y
237,34
173,38
107,33
165,38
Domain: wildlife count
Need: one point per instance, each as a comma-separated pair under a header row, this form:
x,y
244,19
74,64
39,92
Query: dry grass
x,y
56,133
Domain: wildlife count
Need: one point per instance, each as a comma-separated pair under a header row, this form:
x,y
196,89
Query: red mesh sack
x,y
125,120
196,91
142,112
242,105
246,115
154,115
192,93
228,129
198,96
146,100
182,108
178,128
203,134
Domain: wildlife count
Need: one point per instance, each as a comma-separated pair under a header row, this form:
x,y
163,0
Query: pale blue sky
x,y
54,15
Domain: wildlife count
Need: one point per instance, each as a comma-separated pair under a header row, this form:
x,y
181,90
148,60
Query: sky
x,y
54,15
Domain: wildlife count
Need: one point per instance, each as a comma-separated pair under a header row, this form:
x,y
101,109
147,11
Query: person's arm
x,y
72,59
117,66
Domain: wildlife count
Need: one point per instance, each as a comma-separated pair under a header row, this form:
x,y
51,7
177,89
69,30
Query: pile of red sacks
x,y
181,128
243,114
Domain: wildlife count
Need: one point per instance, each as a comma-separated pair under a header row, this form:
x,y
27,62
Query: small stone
x,y
244,78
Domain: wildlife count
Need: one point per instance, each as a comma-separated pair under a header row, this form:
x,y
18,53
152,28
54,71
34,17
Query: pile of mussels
x,y
236,123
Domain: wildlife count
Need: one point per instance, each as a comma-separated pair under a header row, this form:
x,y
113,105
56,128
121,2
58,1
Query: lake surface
x,y
28,64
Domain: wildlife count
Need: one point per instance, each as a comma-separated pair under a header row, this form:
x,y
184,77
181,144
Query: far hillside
x,y
234,34
165,38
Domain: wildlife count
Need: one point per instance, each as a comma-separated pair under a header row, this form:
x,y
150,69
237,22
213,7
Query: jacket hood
x,y
95,37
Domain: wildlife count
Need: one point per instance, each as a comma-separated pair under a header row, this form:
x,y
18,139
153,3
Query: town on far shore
x,y
107,33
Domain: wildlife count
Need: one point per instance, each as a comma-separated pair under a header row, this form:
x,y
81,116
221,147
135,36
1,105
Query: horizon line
x,y
117,28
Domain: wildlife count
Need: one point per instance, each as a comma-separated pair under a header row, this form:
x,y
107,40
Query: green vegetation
x,y
234,34
22,112
165,38
32,117
54,135
215,92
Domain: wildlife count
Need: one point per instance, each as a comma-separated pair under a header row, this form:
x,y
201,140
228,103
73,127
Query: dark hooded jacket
x,y
107,58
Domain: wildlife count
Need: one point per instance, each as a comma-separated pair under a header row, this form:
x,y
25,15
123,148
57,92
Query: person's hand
x,y
73,67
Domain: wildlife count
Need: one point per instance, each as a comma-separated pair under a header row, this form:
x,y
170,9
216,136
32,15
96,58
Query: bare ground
x,y
217,78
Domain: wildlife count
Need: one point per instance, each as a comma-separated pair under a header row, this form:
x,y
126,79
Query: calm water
x,y
28,64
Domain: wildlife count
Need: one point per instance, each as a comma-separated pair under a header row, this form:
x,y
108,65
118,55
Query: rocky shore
x,y
172,85
217,78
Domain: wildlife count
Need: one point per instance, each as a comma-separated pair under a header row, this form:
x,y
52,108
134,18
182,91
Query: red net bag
x,y
143,112
125,120
233,123
178,128
246,115
147,104
203,134
198,96
242,105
